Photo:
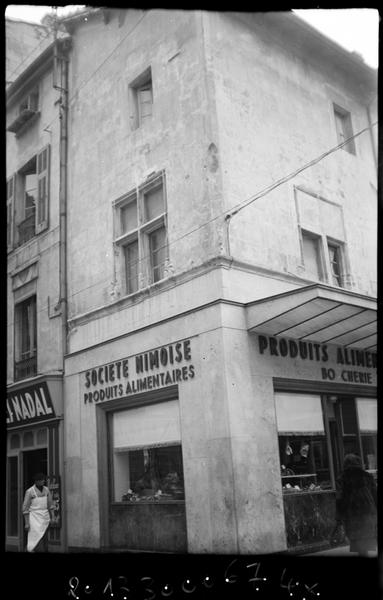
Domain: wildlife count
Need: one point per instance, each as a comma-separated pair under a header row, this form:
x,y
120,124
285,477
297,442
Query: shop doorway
x,y
34,461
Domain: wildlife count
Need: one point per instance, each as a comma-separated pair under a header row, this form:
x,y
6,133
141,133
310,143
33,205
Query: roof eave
x,y
41,62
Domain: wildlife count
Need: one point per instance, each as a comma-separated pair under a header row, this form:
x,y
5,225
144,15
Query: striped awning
x,y
317,313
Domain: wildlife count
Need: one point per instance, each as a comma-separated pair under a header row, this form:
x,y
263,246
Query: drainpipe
x,y
60,83
63,151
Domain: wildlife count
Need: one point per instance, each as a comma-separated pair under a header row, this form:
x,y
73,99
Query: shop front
x,y
133,404
34,444
319,352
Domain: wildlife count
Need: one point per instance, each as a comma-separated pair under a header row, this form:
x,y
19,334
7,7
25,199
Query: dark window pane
x,y
15,441
129,217
158,253
131,267
348,412
154,203
13,503
334,256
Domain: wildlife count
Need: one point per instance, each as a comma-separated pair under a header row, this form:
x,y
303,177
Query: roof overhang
x,y
317,313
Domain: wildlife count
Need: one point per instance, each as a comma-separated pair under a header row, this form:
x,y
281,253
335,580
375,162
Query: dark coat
x,y
356,505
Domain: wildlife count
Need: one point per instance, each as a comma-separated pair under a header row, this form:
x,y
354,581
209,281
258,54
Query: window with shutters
x,y
25,338
141,234
10,204
28,199
141,96
312,255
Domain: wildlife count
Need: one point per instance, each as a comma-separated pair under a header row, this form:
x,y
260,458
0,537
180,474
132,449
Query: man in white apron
x,y
38,514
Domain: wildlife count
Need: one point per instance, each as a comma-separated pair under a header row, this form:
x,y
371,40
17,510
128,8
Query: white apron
x,y
38,520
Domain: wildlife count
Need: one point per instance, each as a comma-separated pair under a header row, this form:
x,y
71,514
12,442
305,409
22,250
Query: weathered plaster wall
x,y
275,114
210,486
111,159
44,246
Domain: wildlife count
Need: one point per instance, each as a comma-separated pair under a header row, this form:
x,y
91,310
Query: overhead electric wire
x,y
227,213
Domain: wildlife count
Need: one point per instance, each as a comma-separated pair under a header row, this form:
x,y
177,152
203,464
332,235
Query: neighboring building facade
x,y
215,357
24,43
35,435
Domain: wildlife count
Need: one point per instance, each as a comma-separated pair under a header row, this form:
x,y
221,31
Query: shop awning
x,y
317,313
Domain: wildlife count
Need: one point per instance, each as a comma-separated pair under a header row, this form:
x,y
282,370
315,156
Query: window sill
x,y
146,502
306,492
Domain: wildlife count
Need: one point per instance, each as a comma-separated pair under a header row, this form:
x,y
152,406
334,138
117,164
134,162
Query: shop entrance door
x,y
34,461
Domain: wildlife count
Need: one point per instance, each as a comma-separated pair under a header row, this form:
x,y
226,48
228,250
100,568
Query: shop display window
x,y
302,443
367,411
312,453
147,454
304,463
152,474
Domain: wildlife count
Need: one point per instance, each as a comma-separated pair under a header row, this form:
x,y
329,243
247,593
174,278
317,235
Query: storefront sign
x,y
154,369
53,483
29,405
349,361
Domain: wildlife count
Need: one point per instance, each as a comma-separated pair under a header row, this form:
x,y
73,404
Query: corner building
x,y
221,353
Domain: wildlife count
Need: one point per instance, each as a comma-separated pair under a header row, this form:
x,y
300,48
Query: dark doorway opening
x,y
34,461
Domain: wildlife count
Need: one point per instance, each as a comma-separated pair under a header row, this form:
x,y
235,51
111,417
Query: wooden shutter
x,y
145,101
43,160
11,183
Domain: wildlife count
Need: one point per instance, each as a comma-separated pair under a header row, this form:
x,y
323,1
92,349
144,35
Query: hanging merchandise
x,y
305,448
288,449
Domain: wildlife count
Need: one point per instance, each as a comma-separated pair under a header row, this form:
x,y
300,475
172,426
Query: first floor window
x,y
141,233
322,258
147,454
25,338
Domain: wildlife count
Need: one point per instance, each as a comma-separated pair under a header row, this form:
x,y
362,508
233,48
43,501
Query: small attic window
x,y
30,102
27,112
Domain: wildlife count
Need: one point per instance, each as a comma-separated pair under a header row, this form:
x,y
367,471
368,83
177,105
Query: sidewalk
x,y
340,551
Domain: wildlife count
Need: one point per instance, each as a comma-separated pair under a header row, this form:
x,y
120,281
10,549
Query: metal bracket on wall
x,y
54,310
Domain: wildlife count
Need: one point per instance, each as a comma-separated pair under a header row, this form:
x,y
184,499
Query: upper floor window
x,y
27,111
344,128
322,258
28,200
141,233
141,92
25,338
335,259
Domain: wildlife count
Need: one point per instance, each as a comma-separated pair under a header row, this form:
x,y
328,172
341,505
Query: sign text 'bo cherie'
x,y
351,359
155,369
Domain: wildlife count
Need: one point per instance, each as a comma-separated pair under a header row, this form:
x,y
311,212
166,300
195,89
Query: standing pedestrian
x,y
356,505
38,514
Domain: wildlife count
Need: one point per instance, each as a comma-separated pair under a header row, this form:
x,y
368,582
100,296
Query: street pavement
x,y
339,551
